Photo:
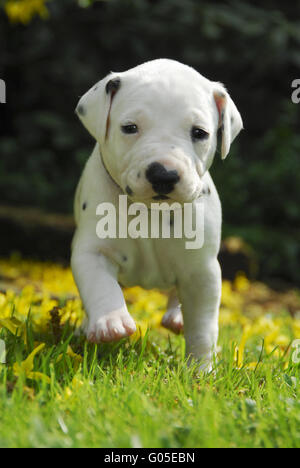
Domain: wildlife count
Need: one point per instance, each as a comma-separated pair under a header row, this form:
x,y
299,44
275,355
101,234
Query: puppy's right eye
x,y
129,129
198,134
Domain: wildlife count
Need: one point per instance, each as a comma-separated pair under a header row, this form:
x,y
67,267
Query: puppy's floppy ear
x,y
94,107
230,120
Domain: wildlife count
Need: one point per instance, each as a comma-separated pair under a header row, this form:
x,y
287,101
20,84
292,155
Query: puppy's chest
x,y
141,263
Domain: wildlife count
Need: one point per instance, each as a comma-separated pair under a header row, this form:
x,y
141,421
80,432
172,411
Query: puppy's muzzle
x,y
162,180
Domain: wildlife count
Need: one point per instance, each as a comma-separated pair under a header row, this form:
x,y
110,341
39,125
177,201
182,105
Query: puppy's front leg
x,y
96,279
200,296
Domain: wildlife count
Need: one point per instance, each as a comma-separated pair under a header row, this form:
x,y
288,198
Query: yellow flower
x,y
282,340
296,328
73,313
2,300
68,392
141,330
230,298
76,383
16,327
76,357
26,367
252,365
239,354
241,282
22,11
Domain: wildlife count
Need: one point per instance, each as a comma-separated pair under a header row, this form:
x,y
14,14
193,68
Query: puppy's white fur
x,y
165,99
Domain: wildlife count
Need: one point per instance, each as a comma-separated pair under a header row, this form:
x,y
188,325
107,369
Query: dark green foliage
x,y
252,47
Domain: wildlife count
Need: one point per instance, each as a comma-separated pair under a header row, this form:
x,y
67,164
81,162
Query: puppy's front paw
x,y
110,327
173,320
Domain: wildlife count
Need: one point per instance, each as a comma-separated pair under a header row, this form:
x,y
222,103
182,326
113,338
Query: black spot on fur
x,y
81,110
206,191
128,190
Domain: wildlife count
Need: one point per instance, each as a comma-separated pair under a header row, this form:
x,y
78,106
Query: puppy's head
x,y
157,127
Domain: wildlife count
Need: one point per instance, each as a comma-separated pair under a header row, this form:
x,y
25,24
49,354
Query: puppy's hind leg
x,y
173,319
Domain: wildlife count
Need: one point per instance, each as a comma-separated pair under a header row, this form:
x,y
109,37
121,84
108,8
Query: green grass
x,y
142,393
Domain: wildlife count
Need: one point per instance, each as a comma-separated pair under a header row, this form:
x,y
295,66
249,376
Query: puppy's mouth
x,y
159,196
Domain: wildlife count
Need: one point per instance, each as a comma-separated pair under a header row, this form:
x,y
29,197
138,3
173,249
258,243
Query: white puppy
x,y
156,129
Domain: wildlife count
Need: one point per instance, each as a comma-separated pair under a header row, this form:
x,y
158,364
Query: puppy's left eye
x,y
129,129
198,134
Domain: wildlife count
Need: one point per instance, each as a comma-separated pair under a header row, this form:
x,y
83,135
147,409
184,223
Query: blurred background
x,y
52,52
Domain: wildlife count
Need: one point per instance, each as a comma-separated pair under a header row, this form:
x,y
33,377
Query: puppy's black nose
x,y
161,179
